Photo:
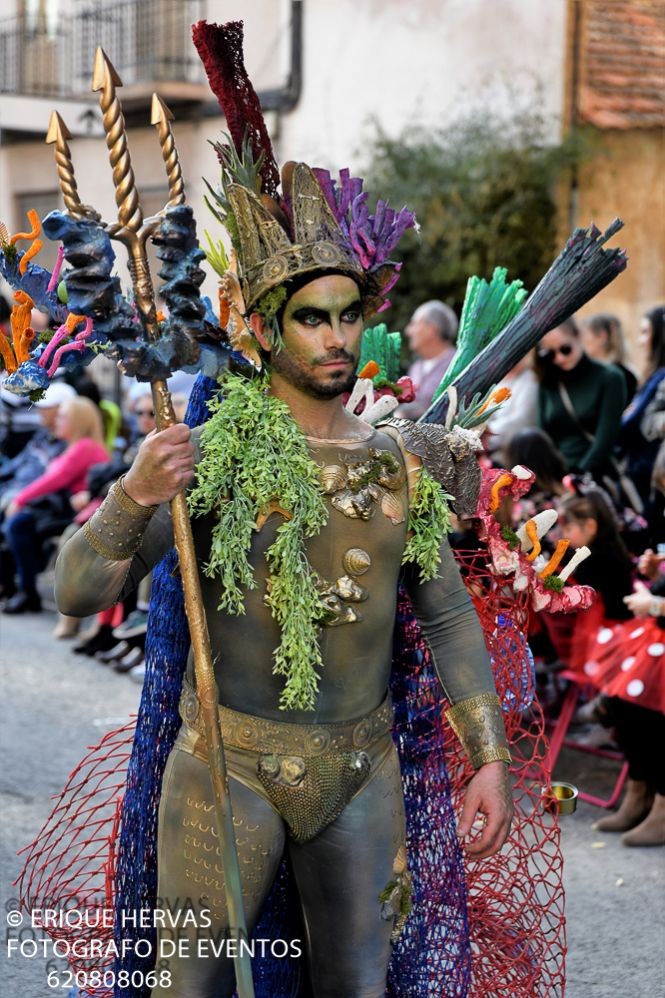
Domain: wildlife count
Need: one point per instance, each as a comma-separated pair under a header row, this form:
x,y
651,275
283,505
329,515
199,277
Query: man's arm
x,y
451,627
131,530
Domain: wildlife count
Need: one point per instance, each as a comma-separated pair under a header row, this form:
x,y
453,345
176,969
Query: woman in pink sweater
x,y
79,423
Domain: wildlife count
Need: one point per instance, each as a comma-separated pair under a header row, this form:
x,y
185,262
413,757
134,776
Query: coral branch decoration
x,y
582,269
516,555
126,328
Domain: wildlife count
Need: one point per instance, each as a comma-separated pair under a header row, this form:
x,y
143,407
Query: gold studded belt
x,y
261,734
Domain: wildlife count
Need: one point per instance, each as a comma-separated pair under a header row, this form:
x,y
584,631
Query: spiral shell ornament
x,y
356,561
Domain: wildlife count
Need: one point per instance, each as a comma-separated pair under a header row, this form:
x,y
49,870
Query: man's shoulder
x,y
449,456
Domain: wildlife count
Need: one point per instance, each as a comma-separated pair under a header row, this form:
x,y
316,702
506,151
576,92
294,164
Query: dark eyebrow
x,y
302,313
305,310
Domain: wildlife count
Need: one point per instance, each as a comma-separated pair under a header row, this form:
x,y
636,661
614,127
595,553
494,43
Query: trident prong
x,y
162,116
105,80
133,232
58,134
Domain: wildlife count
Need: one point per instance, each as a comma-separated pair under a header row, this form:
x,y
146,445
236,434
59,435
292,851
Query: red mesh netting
x,y
516,899
71,864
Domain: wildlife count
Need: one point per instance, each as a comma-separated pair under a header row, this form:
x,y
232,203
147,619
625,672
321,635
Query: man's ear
x,y
257,324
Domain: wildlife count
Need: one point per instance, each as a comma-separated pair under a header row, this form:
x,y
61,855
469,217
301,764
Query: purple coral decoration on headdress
x,y
371,237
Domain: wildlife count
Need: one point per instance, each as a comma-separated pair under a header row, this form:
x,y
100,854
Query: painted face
x,y
562,349
321,331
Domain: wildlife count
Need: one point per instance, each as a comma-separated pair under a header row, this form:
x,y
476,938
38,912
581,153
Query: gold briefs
x,y
307,772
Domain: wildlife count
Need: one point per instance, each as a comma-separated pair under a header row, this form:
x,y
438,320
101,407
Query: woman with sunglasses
x,y
580,402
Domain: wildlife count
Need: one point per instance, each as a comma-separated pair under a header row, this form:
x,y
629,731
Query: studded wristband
x,y
116,529
478,723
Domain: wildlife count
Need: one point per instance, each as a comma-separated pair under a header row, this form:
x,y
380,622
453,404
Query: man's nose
x,y
335,334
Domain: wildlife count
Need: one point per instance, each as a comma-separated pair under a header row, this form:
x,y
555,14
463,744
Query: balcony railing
x,y
148,41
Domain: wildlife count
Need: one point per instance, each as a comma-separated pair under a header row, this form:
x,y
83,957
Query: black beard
x,y
282,362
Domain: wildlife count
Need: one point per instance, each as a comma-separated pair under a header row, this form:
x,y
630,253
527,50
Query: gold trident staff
x,y
133,232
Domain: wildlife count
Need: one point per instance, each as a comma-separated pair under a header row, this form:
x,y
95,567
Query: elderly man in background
x,y
431,333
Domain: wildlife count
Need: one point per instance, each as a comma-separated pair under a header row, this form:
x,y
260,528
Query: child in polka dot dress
x,y
625,661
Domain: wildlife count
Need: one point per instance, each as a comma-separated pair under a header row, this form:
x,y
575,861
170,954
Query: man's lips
x,y
336,363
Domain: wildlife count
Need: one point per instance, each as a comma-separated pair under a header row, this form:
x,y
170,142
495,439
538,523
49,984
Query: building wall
x,y
626,178
380,59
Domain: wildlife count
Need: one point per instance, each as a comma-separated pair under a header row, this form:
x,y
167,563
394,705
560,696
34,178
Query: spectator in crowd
x,y
604,341
28,465
431,334
626,665
643,423
580,402
533,449
86,386
108,637
517,412
588,519
43,446
79,424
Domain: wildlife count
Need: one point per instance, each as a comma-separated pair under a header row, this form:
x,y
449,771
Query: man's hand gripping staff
x,y
163,467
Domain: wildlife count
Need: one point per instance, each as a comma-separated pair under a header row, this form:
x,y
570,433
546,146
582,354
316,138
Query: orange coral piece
x,y
555,560
72,321
20,320
498,396
31,251
532,533
22,348
224,309
370,370
501,482
7,354
33,218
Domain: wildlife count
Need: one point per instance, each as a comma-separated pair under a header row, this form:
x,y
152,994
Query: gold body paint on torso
x,y
356,642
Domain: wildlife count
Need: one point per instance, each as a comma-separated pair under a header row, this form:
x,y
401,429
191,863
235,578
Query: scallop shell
x,y
393,507
332,478
356,561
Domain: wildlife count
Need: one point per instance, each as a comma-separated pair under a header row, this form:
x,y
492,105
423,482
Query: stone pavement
x,y
55,704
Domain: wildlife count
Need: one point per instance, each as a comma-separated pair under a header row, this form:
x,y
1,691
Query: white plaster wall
x,y
416,63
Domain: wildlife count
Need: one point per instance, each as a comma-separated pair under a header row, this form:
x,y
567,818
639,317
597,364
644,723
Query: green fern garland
x,y
429,522
254,454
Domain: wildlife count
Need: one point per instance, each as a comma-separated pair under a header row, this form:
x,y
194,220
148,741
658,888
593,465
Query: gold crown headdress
x,y
314,224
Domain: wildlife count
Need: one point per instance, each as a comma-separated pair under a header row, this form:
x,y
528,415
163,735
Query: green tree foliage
x,y
484,195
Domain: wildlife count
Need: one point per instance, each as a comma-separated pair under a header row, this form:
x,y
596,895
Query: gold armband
x,y
116,529
478,723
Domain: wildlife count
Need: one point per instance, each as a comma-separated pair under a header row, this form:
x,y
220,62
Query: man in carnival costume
x,y
306,517
318,534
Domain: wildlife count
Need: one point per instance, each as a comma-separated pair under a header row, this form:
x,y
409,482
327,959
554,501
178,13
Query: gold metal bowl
x,y
561,796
